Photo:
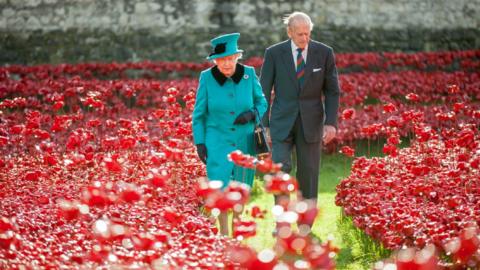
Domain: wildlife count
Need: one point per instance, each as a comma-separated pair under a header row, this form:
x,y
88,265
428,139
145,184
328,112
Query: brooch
x,y
245,76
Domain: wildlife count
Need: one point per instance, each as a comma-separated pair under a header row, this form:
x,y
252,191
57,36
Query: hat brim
x,y
215,56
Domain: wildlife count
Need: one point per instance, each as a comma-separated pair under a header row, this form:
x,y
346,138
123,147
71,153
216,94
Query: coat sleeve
x,y
200,111
267,75
259,100
331,90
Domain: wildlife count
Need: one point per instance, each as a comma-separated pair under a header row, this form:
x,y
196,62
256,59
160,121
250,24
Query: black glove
x,y
244,118
202,152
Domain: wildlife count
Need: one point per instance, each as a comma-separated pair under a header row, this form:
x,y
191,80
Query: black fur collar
x,y
236,77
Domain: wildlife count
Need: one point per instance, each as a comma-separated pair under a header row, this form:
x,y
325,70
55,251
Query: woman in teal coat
x,y
223,120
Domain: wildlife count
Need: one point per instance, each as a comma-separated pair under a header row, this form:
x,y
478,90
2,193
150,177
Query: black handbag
x,y
262,148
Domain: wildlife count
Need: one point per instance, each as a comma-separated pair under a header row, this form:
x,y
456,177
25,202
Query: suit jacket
x,y
318,100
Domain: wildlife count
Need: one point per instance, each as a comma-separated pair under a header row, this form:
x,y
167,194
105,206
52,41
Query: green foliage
x,y
358,246
371,101
257,188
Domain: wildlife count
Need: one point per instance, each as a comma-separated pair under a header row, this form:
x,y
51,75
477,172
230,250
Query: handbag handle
x,y
260,124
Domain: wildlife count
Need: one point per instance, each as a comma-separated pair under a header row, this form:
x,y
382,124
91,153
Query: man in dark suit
x,y
303,75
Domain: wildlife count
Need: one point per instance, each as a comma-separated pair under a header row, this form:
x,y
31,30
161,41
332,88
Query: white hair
x,y
297,17
239,56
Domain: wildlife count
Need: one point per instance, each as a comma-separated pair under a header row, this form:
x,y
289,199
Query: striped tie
x,y
300,67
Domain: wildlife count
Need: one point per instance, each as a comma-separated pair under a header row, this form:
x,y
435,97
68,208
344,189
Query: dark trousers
x,y
308,159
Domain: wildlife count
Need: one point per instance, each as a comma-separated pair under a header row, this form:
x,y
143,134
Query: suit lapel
x,y
310,61
289,64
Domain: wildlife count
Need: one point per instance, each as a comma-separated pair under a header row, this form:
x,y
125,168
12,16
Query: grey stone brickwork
x,y
55,31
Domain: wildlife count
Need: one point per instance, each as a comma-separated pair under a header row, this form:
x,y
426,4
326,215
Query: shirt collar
x,y
236,77
294,48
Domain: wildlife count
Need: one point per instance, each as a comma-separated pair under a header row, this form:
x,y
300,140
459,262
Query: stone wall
x,y
55,31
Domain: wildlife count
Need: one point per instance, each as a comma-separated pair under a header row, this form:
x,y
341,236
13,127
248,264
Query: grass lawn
x,y
356,250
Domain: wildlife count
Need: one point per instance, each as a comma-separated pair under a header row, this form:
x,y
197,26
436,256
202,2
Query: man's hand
x,y
329,133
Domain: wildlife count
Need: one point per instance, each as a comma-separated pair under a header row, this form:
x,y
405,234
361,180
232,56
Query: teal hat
x,y
224,45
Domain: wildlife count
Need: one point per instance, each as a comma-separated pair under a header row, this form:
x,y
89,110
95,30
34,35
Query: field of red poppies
x,y
97,167
423,200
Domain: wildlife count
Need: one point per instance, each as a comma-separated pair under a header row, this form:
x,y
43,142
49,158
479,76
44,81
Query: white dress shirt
x,y
295,52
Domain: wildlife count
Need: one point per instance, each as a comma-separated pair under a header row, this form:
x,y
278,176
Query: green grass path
x,y
334,168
